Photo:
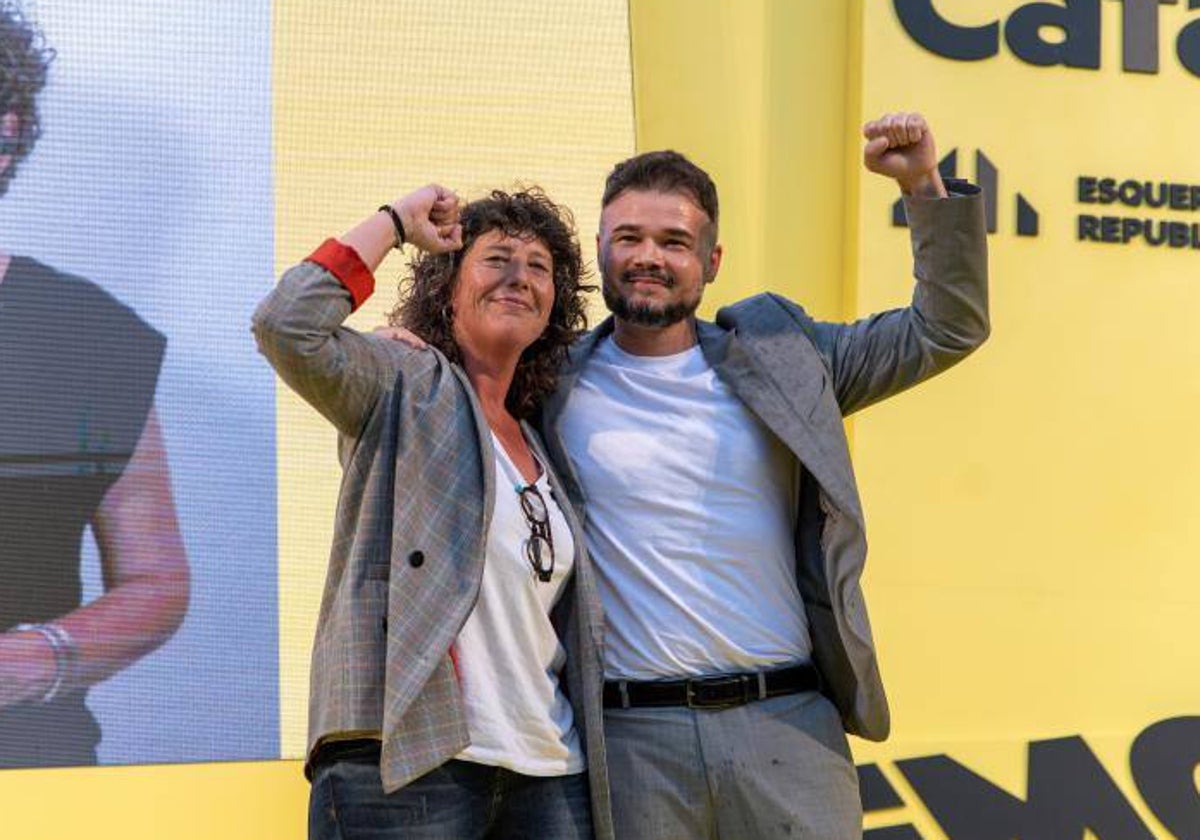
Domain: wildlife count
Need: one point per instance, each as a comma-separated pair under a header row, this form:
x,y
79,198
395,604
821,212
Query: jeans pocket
x,y
360,806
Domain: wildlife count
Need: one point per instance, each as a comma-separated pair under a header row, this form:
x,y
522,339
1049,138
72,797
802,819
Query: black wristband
x,y
396,223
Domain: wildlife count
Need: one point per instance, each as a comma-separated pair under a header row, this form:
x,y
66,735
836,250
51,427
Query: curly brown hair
x,y
426,292
24,63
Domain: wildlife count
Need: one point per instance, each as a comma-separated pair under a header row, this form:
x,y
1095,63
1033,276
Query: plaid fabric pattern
x,y
408,549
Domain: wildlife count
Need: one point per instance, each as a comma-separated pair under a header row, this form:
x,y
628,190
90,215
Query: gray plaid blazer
x,y
410,530
800,377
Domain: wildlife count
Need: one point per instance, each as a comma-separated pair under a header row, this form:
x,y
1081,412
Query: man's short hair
x,y
24,62
664,171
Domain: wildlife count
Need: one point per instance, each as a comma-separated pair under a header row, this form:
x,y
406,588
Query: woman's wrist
x,y
397,221
30,667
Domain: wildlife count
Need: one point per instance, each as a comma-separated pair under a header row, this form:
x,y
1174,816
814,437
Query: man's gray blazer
x,y
409,536
800,377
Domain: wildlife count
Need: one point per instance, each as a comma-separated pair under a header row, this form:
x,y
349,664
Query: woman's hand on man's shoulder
x,y
401,335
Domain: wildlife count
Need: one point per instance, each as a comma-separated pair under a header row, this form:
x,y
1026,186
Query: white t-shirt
x,y
508,654
691,515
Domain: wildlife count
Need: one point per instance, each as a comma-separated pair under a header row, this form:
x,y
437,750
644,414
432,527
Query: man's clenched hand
x,y
901,147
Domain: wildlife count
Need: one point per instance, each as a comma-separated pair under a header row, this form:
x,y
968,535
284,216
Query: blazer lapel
x,y
590,607
739,370
486,451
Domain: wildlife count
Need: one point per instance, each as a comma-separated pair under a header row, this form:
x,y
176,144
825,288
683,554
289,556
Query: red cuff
x,y
344,263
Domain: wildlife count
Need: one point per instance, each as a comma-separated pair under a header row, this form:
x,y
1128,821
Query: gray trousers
x,y
777,768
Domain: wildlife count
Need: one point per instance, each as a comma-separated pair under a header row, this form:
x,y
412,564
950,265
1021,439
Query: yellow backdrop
x,y
1032,514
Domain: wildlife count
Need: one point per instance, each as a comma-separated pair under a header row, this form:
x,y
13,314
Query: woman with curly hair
x,y
24,65
458,583
80,447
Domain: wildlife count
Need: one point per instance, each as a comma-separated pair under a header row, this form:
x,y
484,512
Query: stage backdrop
x,y
1031,514
152,182
293,120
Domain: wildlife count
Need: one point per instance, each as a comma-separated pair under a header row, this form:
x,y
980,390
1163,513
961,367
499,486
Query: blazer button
x,y
416,559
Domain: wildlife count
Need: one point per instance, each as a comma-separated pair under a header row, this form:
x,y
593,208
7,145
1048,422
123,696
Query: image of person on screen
x,y
80,447
455,687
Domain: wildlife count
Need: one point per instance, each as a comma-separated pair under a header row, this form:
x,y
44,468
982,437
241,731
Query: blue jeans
x,y
458,801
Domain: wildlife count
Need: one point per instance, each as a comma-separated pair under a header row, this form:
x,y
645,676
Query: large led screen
x,y
165,505
137,437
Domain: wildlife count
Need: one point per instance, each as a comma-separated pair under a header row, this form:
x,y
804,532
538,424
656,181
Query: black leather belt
x,y
723,691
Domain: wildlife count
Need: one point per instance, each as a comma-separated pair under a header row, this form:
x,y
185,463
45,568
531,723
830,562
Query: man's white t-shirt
x,y
690,518
508,655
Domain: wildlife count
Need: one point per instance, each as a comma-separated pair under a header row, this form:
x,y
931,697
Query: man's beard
x,y
646,313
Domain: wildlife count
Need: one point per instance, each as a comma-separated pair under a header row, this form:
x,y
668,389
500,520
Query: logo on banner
x,y
1076,28
1069,791
1138,196
987,176
1094,193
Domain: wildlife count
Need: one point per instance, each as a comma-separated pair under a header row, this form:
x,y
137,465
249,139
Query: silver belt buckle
x,y
699,687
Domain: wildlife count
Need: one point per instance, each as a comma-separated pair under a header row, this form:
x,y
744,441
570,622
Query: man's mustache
x,y
659,274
